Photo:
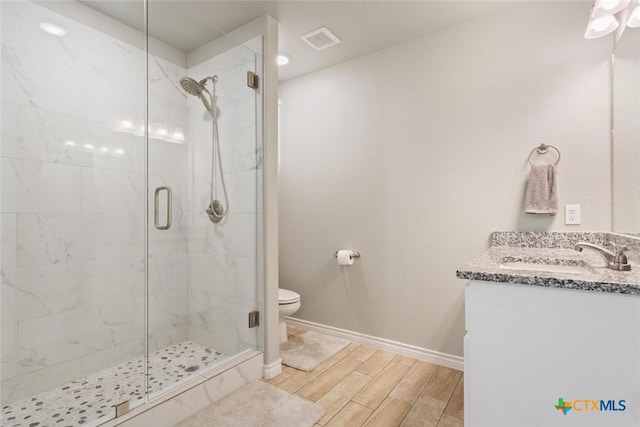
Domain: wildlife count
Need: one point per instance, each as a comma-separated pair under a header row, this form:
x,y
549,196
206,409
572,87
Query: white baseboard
x,y
442,359
271,370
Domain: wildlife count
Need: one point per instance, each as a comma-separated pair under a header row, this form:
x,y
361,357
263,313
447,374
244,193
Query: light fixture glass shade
x,y
608,7
601,27
634,18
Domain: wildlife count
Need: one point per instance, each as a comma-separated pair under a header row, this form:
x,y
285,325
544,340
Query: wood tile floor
x,y
361,385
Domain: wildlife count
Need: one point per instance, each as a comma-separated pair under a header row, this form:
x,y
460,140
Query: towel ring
x,y
544,149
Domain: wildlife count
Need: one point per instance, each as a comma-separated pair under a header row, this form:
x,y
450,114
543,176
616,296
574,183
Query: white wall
x,y
414,154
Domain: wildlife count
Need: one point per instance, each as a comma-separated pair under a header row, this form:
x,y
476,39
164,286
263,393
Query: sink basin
x,y
549,268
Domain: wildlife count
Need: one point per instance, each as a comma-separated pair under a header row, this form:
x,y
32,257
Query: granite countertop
x,y
526,247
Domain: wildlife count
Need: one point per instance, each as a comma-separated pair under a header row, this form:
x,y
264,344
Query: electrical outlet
x,y
572,214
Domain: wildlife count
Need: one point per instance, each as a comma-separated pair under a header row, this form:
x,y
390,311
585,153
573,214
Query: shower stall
x,y
116,285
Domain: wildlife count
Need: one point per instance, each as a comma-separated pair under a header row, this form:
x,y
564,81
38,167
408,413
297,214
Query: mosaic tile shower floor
x,y
84,400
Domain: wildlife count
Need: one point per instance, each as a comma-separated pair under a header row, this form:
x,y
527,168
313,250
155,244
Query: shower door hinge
x,y
122,408
254,319
252,80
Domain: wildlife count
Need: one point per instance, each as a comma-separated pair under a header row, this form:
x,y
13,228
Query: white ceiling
x,y
363,26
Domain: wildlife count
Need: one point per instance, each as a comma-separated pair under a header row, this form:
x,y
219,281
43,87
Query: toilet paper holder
x,y
353,255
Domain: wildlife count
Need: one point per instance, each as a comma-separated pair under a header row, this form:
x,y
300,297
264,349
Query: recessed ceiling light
x,y
88,146
52,29
283,58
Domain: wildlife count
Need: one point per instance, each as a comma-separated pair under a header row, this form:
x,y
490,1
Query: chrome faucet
x,y
616,259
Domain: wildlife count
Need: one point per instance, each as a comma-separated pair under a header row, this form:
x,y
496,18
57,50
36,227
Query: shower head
x,y
195,88
191,86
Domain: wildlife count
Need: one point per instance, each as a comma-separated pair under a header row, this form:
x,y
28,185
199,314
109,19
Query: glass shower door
x,y
115,282
72,213
202,266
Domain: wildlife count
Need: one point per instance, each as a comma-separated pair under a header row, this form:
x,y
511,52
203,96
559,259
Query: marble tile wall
x,y
72,165
168,166
222,260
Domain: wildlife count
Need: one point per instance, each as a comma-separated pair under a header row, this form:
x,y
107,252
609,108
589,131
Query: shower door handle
x,y
156,213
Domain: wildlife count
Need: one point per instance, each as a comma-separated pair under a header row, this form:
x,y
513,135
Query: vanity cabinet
x,y
528,346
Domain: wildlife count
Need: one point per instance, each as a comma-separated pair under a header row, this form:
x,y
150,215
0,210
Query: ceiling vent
x,y
321,38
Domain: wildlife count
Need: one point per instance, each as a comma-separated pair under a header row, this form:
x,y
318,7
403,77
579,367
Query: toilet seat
x,y
286,296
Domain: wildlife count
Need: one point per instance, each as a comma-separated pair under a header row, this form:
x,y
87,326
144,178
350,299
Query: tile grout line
x,y
422,390
324,372
449,401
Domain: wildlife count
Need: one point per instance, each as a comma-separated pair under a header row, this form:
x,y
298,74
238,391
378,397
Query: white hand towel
x,y
542,192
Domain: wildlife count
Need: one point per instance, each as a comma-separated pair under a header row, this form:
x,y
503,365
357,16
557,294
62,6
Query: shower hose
x,y
216,161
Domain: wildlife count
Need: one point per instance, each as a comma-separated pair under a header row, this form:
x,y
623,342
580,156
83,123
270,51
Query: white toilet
x,y
288,303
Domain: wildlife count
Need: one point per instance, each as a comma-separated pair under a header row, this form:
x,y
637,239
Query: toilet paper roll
x,y
345,257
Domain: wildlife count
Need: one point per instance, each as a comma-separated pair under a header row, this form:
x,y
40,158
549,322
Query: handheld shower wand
x,y
216,210
195,88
